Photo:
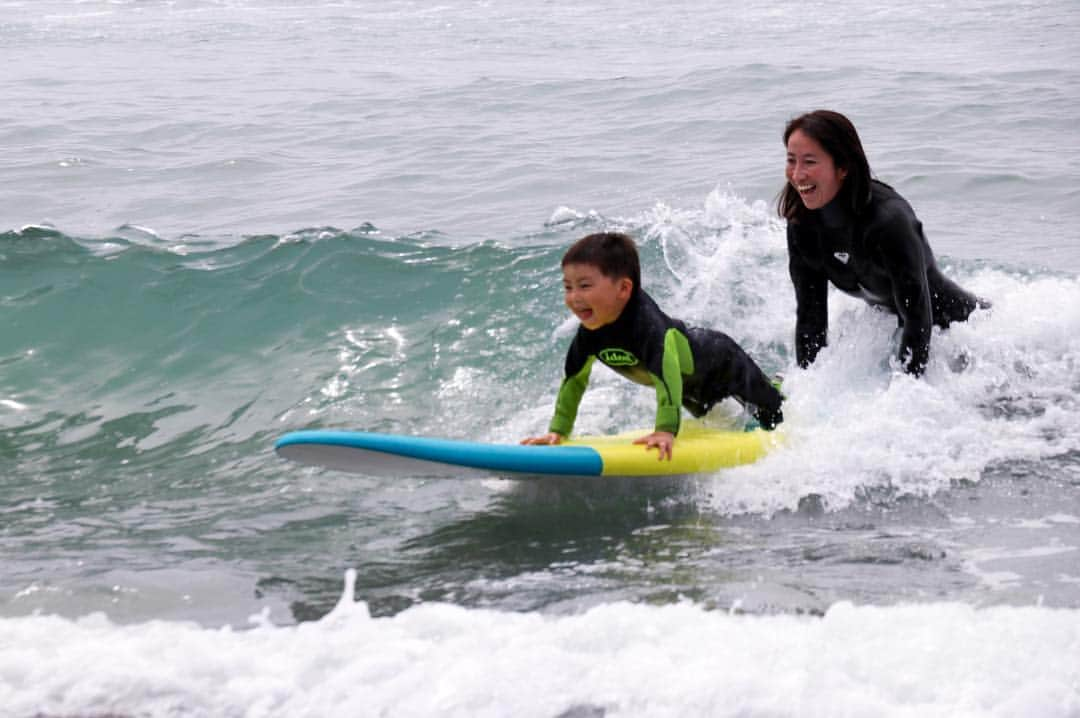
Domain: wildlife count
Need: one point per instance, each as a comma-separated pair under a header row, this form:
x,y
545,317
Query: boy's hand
x,y
662,440
549,438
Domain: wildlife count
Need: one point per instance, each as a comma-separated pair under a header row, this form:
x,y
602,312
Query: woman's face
x,y
811,170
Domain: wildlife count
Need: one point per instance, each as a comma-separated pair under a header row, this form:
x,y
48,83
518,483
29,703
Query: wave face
x,y
145,382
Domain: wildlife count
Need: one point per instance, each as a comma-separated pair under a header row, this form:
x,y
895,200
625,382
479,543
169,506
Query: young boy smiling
x,y
624,328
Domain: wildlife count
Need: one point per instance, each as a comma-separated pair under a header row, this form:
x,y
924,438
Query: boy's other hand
x,y
549,438
662,440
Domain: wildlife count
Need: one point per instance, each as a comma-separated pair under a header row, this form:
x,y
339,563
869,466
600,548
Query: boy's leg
x,y
727,370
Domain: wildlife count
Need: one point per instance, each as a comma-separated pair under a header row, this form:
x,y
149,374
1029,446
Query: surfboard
x,y
698,449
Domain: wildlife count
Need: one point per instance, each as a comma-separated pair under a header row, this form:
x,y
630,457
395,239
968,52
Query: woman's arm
x,y
811,303
902,245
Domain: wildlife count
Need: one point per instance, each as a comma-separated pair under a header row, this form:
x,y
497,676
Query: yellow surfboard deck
x,y
697,449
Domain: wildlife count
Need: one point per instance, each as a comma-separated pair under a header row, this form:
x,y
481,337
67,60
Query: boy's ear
x,y
626,287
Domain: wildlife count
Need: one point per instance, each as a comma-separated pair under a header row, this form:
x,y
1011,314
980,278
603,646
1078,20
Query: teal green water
x,y
144,383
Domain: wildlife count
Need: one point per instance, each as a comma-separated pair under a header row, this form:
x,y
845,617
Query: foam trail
x,y
999,387
619,659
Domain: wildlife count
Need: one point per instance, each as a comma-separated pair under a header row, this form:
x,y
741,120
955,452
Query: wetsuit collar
x,y
834,214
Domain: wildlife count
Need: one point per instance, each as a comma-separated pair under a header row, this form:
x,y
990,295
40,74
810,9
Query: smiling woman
x,y
811,171
861,235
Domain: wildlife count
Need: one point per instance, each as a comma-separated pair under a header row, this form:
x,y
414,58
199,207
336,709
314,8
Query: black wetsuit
x,y
881,256
691,367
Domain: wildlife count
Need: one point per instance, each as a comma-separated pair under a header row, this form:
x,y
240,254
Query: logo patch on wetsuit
x,y
617,357
842,256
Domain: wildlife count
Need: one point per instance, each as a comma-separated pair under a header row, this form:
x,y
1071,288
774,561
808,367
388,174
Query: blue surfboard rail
x,y
555,460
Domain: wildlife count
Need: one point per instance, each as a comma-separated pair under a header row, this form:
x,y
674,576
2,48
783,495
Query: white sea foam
x,y
619,659
999,387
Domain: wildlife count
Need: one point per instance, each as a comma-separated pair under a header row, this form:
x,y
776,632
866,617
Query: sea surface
x,y
223,220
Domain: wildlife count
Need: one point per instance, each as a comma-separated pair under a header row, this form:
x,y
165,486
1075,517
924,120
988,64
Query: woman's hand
x,y
549,438
662,440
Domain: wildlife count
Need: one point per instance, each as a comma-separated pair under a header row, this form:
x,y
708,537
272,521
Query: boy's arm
x,y
669,385
570,393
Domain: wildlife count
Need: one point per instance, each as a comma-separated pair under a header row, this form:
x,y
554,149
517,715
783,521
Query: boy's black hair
x,y
613,253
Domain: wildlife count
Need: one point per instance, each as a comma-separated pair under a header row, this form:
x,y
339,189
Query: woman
x,y
858,233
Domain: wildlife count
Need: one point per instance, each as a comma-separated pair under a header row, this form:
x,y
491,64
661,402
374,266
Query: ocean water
x,y
222,220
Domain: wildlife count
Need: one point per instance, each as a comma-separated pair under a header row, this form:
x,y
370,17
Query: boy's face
x,y
594,299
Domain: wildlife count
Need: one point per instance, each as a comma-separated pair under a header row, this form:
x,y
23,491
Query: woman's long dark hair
x,y
838,137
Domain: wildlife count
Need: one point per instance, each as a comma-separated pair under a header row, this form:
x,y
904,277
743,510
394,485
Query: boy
x,y
623,327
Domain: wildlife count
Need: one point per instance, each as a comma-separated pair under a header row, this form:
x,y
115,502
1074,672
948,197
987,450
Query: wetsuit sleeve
x,y
811,303
669,385
570,393
902,251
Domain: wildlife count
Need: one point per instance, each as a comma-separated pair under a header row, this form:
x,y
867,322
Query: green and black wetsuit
x,y
881,256
690,367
